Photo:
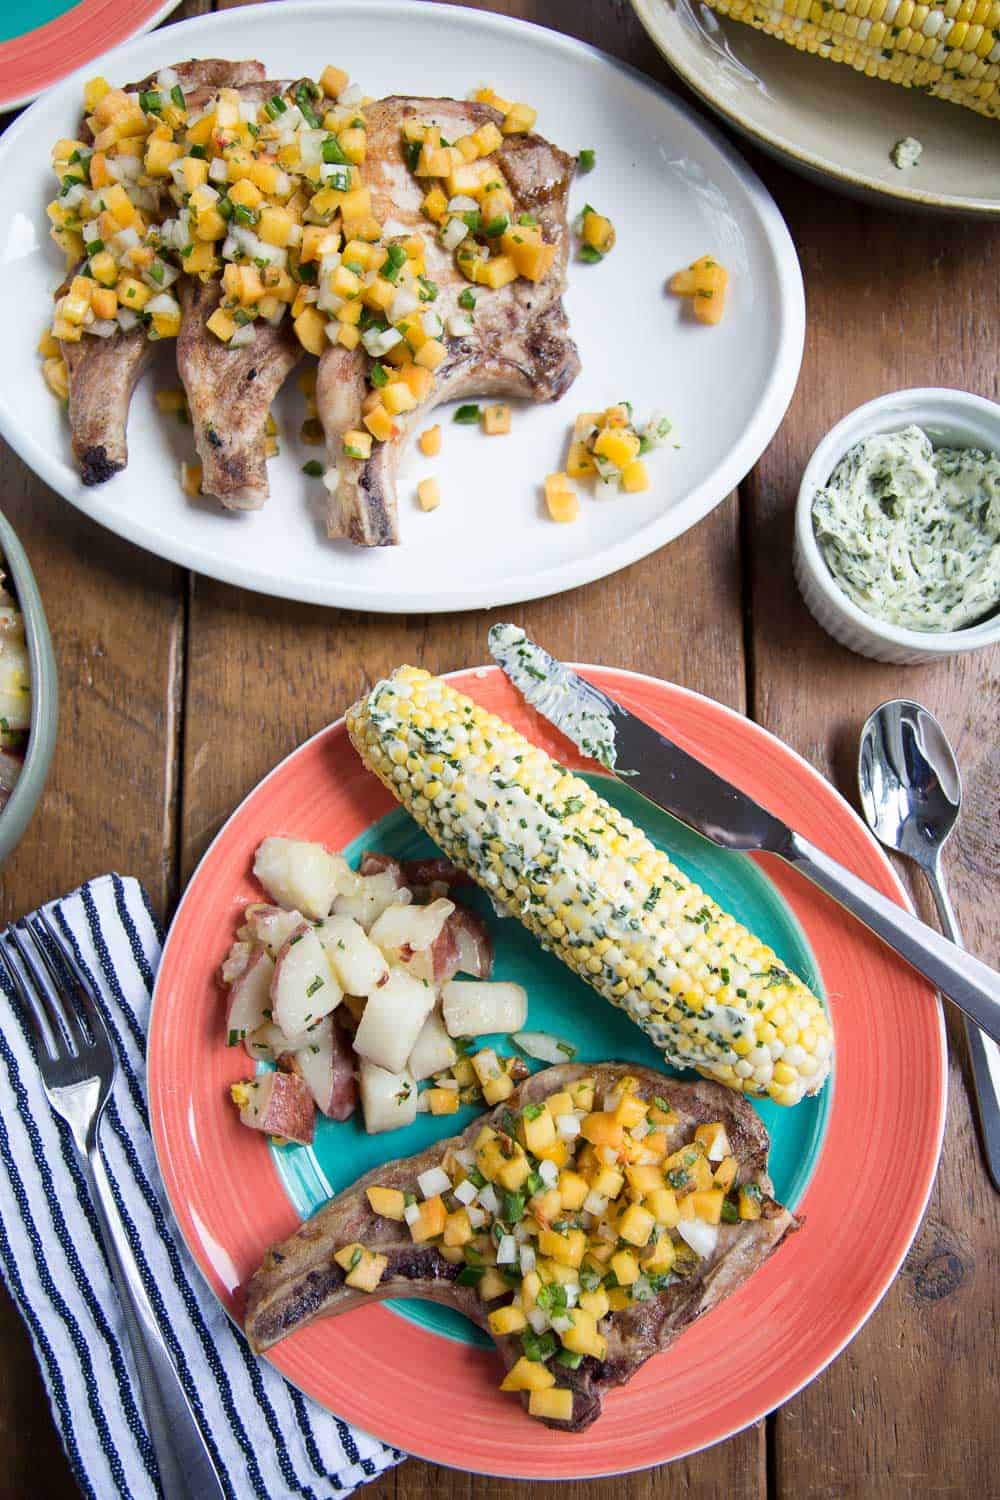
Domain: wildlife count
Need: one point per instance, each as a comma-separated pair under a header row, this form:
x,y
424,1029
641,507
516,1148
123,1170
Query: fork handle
x,y
186,1468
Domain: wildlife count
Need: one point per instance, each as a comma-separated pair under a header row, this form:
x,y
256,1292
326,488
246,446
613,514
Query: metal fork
x,y
77,1064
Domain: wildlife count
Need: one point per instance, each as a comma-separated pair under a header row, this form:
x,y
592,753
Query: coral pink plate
x,y
42,41
436,1396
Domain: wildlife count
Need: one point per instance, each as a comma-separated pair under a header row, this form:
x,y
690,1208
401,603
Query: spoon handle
x,y
984,1054
973,986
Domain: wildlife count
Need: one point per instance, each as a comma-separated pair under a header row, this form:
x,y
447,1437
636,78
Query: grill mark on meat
x,y
299,1282
521,345
229,393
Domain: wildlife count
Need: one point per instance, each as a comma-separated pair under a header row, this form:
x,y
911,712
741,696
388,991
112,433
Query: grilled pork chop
x,y
103,373
299,1281
229,393
520,345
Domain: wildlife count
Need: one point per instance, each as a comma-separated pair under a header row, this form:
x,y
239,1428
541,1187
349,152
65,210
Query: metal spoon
x,y
911,795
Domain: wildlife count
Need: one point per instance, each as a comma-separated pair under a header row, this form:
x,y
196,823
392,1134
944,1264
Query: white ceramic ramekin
x,y
950,419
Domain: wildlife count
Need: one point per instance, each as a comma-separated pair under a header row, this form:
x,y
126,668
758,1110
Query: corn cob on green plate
x,y
417,1380
823,118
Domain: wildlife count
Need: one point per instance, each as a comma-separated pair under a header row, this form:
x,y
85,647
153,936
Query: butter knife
x,y
676,781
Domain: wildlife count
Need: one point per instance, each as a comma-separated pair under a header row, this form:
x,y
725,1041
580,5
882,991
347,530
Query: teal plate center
x,y
18,17
560,1003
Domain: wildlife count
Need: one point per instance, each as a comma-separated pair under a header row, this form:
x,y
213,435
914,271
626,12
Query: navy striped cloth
x,y
270,1441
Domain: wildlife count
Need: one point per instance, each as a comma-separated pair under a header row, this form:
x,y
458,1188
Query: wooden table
x,y
179,693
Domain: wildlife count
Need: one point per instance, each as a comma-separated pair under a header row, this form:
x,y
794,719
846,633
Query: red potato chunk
x,y
304,988
278,1104
250,997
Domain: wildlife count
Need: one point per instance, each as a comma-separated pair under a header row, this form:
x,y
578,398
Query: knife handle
x,y
972,985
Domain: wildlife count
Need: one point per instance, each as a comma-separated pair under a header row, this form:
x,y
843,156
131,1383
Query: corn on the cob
x,y
593,889
950,48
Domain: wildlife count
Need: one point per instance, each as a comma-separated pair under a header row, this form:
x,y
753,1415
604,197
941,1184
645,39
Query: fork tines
x,y
53,991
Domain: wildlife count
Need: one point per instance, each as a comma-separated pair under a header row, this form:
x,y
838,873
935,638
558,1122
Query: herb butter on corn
x,y
593,889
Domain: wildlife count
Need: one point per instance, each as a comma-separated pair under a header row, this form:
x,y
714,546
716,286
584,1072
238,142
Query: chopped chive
x,y
356,1257
470,1276
467,414
333,152
590,255
413,154
313,468
428,289
316,983
303,98
94,247
177,95
198,152
394,262
378,376
586,160
233,1038
352,452
527,219
496,226
569,1358
471,220
225,208
467,299
244,215
150,102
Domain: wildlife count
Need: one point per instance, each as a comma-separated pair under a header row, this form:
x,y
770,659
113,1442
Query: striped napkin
x,y
269,1440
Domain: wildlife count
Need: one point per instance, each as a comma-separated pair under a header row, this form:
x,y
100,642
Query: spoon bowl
x,y
909,781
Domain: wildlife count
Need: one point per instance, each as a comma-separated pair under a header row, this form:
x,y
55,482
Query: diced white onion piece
x,y
488,1199
454,233
720,1146
432,325
434,1180
353,94
528,1258
459,325
466,1192
544,1046
568,1126
462,204
477,1217
562,1325
640,1131
423,1104
572,1290
507,1250
605,1232
103,327
700,1236
404,303
218,169
411,1213
379,341
331,480
549,1173
473,1007
167,77
125,239
538,1319
248,112
243,337
611,1101
447,1083
595,1203
164,304
465,1157
127,319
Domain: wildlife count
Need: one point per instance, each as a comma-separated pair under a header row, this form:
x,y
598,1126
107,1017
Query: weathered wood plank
x,y
909,1408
